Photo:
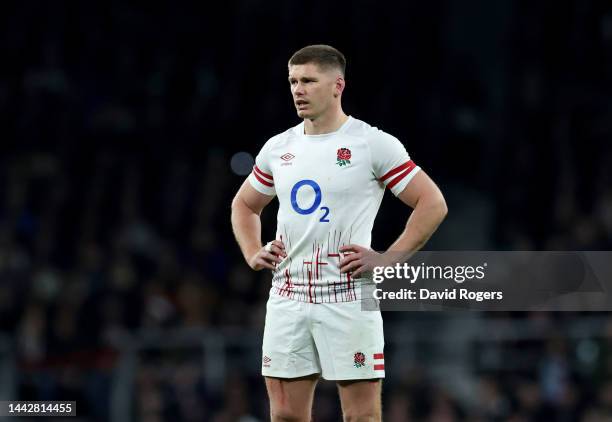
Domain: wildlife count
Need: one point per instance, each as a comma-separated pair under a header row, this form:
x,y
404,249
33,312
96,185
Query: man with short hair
x,y
329,173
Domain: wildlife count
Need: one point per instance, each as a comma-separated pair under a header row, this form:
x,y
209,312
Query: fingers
x,y
278,243
350,257
356,259
262,263
359,271
356,268
276,247
350,262
351,248
277,250
352,266
266,260
258,262
270,255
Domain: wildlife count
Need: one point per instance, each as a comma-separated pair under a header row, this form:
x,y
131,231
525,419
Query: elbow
x,y
236,202
238,206
443,208
440,208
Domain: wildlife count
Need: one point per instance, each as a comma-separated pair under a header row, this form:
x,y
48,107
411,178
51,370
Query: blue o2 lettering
x,y
324,217
317,201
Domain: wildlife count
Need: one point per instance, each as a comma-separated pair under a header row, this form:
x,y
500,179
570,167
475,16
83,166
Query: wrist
x,y
251,256
389,259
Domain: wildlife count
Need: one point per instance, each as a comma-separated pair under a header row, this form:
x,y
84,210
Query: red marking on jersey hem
x,y
379,356
317,264
379,367
309,285
287,286
348,285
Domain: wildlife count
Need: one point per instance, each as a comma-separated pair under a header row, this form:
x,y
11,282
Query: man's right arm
x,y
246,223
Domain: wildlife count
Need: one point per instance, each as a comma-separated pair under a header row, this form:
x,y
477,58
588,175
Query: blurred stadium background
x,y
121,286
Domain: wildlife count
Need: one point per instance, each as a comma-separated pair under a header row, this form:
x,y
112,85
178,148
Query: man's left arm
x,y
429,209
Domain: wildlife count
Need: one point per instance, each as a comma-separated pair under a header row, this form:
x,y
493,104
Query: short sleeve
x,y
391,163
261,178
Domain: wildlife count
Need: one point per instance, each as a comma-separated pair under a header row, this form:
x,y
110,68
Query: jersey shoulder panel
x,y
391,163
280,139
262,176
360,129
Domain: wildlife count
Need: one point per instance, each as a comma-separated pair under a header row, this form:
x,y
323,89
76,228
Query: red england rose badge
x,y
344,157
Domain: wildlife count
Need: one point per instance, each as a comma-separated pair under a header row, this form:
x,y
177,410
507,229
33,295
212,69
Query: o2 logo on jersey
x,y
317,201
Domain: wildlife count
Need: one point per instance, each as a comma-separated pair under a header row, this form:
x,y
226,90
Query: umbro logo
x,y
287,157
266,362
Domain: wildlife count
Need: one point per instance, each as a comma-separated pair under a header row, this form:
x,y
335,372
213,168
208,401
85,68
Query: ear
x,y
339,86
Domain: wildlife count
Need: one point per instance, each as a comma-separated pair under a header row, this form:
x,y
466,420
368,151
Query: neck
x,y
326,123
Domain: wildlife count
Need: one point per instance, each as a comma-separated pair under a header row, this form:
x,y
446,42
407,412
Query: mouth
x,y
301,103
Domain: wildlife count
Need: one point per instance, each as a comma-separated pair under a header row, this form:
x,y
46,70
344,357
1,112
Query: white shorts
x,y
337,340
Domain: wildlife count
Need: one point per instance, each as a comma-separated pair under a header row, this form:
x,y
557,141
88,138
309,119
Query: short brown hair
x,y
323,55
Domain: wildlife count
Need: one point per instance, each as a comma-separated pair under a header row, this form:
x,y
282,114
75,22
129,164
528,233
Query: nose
x,y
299,89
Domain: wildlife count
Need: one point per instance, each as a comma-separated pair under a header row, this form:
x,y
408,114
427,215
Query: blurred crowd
x,y
119,123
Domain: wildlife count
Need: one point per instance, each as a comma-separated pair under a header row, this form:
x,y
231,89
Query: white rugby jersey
x,y
329,189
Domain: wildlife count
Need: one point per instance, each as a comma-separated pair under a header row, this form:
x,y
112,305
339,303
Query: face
x,y
314,91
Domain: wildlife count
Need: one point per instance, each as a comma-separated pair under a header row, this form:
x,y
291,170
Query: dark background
x,y
121,286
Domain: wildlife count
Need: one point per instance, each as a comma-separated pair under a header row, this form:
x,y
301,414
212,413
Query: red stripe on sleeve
x,y
379,356
396,170
379,367
261,173
401,176
262,181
